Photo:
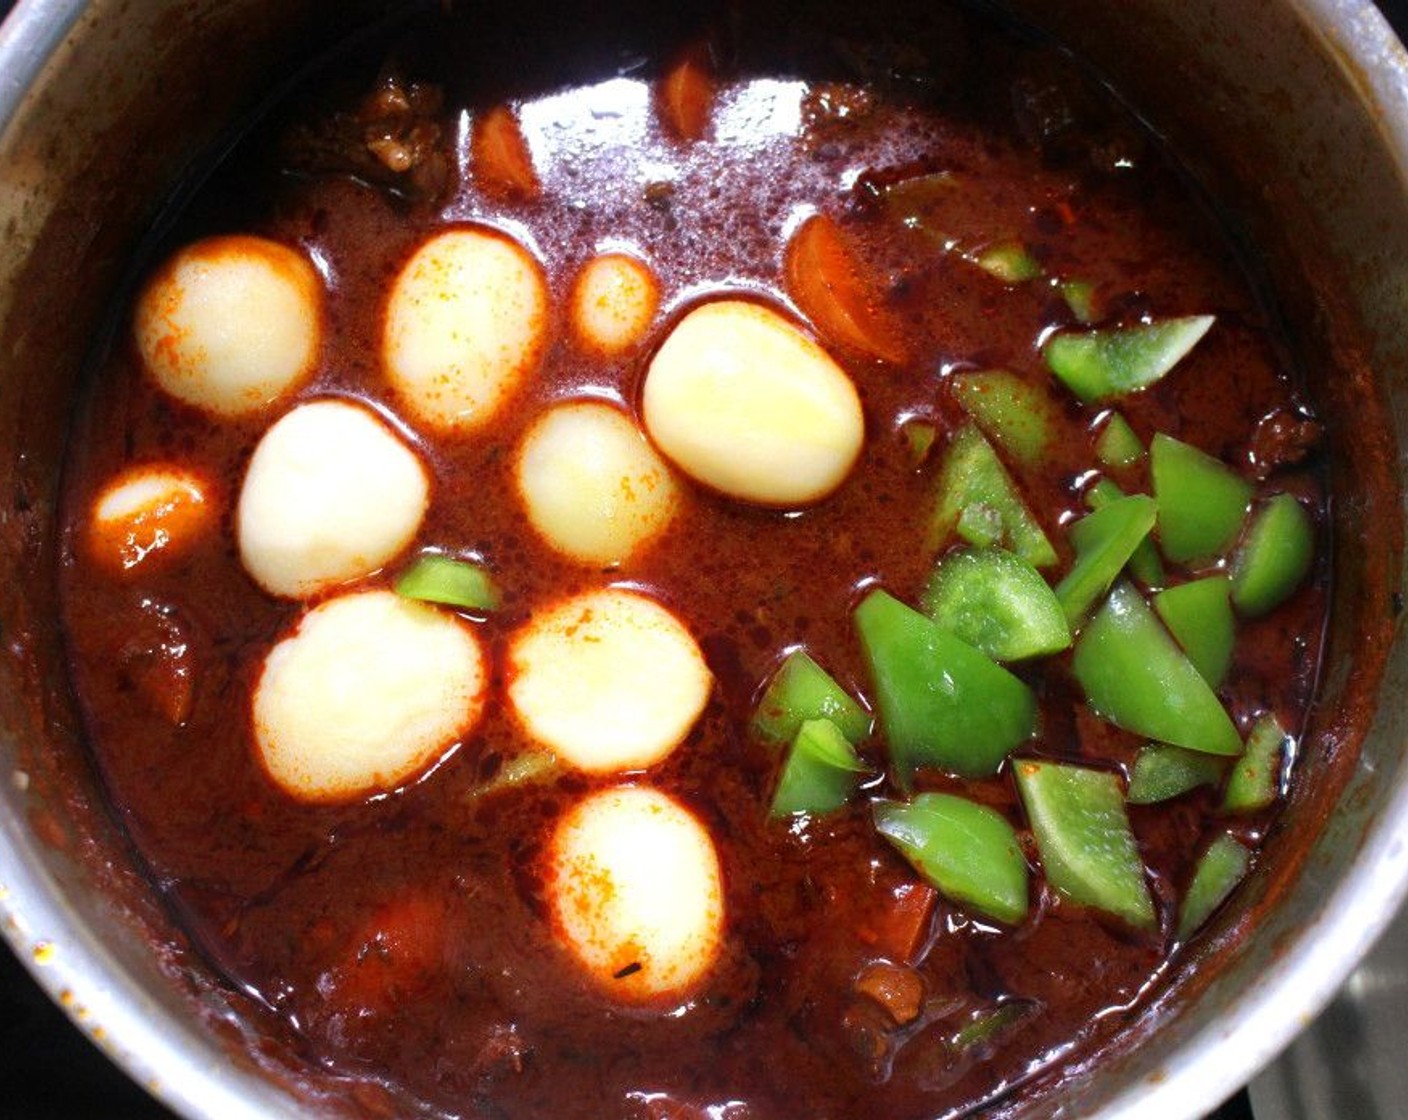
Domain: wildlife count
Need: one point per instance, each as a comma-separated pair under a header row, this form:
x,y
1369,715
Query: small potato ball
x,y
466,323
613,301
609,680
592,485
231,324
367,692
636,893
331,495
148,513
742,401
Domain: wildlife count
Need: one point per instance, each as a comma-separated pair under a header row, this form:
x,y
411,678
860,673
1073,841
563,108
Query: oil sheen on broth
x,y
473,461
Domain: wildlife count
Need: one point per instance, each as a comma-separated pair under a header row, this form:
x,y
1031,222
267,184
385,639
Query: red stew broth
x,y
405,937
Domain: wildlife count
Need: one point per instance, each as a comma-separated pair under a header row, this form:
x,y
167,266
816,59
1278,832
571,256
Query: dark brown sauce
x,y
405,937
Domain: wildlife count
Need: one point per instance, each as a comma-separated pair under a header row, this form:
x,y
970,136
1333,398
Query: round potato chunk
x,y
368,691
609,680
744,402
613,301
231,324
592,485
636,893
146,514
465,325
331,495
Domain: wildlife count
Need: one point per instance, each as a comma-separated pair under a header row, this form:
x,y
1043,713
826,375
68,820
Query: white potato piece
x,y
614,299
636,893
466,323
592,485
367,692
148,513
231,324
331,495
609,680
742,401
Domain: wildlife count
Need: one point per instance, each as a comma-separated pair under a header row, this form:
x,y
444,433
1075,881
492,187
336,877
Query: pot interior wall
x,y
1283,138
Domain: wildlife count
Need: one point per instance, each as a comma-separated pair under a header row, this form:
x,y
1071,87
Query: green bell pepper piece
x,y
973,476
1018,415
1202,502
1274,557
1104,542
1162,771
1008,261
1117,445
1199,615
434,578
1083,837
802,690
942,703
1144,565
1080,298
967,851
996,601
1216,876
1256,775
821,771
1135,676
1107,363
919,436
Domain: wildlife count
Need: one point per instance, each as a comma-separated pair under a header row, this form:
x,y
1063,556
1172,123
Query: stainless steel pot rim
x,y
191,1074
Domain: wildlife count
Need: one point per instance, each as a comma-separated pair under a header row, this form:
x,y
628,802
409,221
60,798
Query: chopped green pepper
x,y
1107,363
1135,675
972,475
1274,557
801,690
1219,870
1104,541
987,1025
1083,837
1199,615
1256,775
1080,298
434,578
1201,501
996,601
1017,414
942,703
535,764
1162,771
919,437
1117,445
821,771
968,851
1144,565
980,525
1008,261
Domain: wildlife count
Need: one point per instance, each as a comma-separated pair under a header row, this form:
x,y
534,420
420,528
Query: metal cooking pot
x,y
1294,113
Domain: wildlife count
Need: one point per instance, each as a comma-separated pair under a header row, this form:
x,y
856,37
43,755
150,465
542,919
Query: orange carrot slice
x,y
822,276
503,166
687,95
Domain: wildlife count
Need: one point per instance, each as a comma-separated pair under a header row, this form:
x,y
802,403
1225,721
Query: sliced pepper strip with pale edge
x,y
942,703
821,771
973,477
801,690
1135,676
1084,839
1099,364
1104,542
1144,565
968,851
1162,771
434,578
1274,557
1255,776
1219,870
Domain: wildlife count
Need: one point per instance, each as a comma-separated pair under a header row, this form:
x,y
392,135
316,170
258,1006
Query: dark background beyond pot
x,y
51,1069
